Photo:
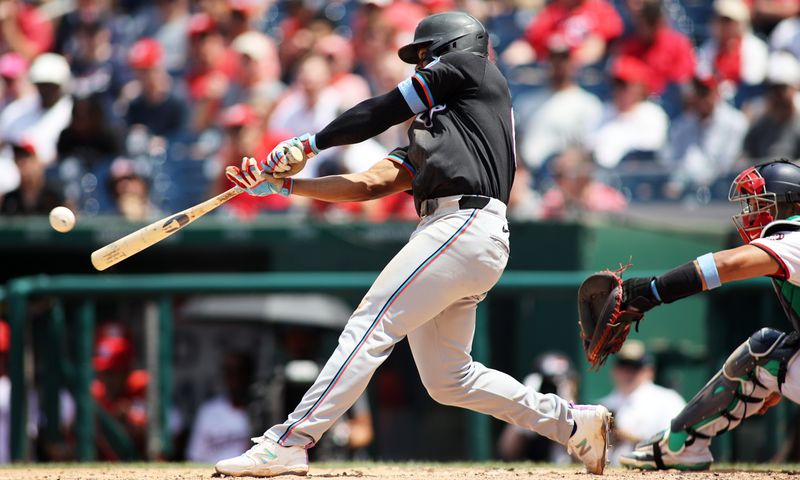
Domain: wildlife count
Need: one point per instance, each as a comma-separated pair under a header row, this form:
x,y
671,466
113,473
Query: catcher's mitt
x,y
604,323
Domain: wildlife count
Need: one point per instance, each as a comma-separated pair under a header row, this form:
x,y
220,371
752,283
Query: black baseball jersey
x,y
462,138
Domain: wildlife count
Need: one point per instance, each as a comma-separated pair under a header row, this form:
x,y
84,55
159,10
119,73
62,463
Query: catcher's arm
x,y
608,306
706,272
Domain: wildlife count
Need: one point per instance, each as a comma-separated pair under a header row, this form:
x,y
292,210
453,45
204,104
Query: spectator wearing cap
x,y
667,52
40,119
120,390
733,53
244,135
157,107
705,141
257,80
559,115
640,407
587,27
630,122
24,29
776,132
212,66
35,195
577,192
95,68
351,87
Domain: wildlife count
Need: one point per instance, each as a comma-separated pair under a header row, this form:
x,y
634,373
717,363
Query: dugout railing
x,y
159,290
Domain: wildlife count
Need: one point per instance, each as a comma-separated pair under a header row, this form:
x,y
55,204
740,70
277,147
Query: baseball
x,y
62,219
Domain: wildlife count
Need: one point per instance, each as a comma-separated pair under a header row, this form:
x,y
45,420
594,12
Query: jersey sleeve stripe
x,y
404,163
425,88
411,96
771,253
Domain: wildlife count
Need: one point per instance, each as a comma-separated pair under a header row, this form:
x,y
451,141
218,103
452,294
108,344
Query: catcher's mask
x,y
760,190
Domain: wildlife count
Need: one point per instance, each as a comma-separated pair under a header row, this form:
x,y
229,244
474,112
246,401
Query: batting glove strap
x,y
286,188
308,144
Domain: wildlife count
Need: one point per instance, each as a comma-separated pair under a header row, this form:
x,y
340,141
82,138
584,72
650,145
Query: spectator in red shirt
x,y
733,53
243,136
119,390
213,66
587,26
23,29
667,52
577,192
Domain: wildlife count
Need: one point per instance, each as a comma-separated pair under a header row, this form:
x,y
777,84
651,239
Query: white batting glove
x,y
251,180
281,161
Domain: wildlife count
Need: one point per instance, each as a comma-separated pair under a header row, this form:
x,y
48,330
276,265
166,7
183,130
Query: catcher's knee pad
x,y
735,392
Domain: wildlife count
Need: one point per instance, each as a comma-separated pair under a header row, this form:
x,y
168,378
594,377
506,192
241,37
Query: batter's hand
x,y
290,156
255,183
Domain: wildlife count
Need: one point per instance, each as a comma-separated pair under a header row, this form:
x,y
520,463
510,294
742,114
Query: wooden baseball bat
x,y
131,244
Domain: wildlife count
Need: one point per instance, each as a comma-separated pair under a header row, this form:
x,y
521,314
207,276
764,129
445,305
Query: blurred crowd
x,y
134,108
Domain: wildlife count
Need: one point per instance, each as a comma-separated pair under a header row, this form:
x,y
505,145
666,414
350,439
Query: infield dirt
x,y
410,472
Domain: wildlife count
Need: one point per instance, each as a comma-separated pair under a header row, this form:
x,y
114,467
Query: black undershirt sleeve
x,y
365,120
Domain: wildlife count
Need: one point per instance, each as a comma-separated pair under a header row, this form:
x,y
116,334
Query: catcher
x,y
763,368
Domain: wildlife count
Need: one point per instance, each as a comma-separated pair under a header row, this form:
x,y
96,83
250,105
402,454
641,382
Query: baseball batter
x,y
459,165
764,367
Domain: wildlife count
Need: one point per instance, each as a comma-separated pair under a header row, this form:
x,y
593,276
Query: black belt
x,y
465,202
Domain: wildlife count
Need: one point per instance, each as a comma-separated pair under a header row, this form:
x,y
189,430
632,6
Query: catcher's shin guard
x,y
735,392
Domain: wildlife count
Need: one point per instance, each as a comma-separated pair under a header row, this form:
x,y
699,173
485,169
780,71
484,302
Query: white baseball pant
x,y
429,292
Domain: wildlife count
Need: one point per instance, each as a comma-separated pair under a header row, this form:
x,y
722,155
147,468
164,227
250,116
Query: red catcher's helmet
x,y
759,190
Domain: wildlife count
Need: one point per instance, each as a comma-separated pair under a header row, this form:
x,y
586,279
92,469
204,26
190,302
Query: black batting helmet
x,y
760,190
446,32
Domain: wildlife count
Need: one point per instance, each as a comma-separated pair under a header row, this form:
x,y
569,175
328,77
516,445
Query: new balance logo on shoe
x,y
583,447
265,456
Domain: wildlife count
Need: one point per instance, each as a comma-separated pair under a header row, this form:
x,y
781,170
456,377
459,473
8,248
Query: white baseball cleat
x,y
589,443
266,459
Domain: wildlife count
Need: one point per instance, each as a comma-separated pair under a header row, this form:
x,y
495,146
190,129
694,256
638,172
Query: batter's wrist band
x,y
709,269
288,185
679,283
312,141
309,144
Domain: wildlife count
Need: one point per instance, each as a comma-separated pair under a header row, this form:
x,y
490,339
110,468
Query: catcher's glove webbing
x,y
603,316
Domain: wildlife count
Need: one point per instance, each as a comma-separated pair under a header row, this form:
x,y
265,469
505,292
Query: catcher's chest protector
x,y
788,293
